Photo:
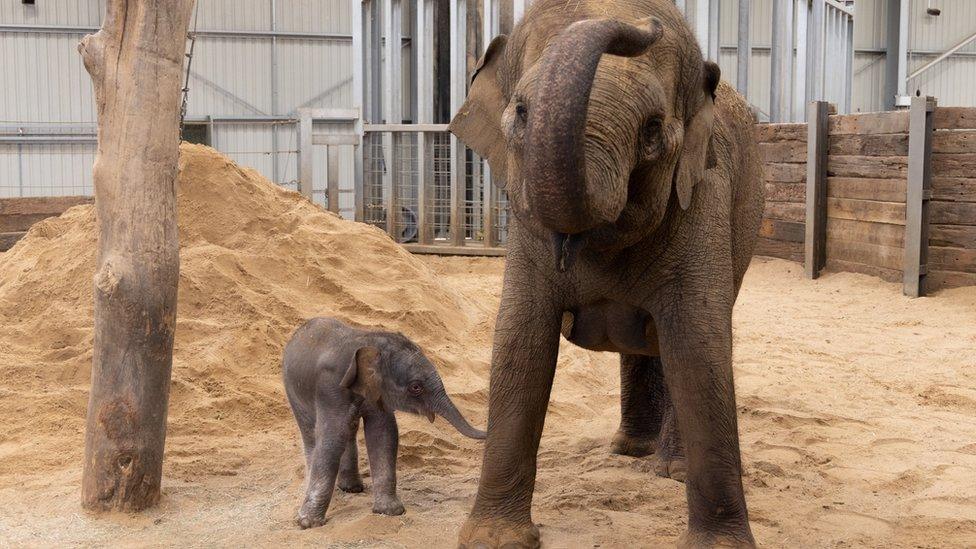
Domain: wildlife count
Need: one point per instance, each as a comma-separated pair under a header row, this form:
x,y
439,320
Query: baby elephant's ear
x,y
363,377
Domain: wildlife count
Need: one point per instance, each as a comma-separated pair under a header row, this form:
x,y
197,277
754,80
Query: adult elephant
x,y
636,190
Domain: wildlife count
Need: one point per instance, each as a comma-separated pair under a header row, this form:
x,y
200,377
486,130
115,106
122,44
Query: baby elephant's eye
x,y
415,388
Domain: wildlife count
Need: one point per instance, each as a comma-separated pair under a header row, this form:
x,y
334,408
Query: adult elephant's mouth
x,y
567,247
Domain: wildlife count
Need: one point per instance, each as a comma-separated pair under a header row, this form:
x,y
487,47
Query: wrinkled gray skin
x,y
635,184
336,374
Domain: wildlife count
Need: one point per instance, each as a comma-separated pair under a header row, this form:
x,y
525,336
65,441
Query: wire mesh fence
x,y
392,163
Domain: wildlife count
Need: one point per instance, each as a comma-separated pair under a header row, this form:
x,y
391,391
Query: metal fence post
x,y
459,70
305,153
393,104
815,237
918,195
744,50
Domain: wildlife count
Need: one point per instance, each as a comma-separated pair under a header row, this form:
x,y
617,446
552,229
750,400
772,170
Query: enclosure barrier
x,y
17,215
887,194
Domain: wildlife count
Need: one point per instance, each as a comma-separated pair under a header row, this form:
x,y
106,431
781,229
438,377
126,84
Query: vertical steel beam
x,y
275,176
332,178
800,71
375,62
714,29
700,24
782,61
815,51
901,89
892,18
305,153
489,24
815,237
849,63
918,195
357,9
459,71
393,106
423,45
682,6
744,50
518,10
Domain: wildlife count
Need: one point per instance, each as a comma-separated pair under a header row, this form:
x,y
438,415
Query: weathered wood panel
x,y
786,211
792,251
888,275
861,188
952,213
958,236
785,192
954,142
20,222
869,145
869,123
953,165
866,210
783,151
954,189
772,133
954,118
51,205
874,167
786,231
940,280
785,173
952,259
889,257
7,240
881,234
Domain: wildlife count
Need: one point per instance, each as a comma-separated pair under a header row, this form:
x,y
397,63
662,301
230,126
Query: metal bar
x,y
405,128
359,205
335,140
216,33
454,250
743,49
682,6
714,28
800,73
275,176
901,91
891,58
815,238
917,195
332,182
392,107
47,139
333,115
518,10
490,12
943,56
423,187
849,61
782,57
305,154
375,62
458,88
701,24
815,51
423,46
357,10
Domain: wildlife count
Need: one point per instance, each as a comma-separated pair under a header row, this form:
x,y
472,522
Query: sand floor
x,y
857,406
857,415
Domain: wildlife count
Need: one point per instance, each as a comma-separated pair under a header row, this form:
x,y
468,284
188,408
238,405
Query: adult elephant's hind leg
x,y
522,369
641,392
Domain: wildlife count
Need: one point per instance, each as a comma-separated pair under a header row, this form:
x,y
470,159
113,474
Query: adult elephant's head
x,y
593,125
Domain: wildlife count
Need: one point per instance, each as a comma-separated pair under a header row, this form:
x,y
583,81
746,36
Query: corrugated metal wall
x,y
44,88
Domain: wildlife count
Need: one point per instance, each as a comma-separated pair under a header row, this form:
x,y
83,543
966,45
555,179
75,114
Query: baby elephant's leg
x,y
349,479
382,440
331,437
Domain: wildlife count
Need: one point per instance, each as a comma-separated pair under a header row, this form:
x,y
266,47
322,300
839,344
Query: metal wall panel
x,y
46,170
84,13
319,16
245,15
314,73
43,79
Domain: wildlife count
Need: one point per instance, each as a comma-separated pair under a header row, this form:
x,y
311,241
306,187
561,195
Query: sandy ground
x,y
857,406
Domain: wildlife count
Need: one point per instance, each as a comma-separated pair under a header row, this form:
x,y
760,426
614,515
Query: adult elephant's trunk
x,y
444,407
554,137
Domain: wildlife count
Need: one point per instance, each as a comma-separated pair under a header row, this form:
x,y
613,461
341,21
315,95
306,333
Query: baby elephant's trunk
x,y
444,407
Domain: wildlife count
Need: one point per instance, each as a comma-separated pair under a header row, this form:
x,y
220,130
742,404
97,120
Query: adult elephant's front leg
x,y
523,364
696,345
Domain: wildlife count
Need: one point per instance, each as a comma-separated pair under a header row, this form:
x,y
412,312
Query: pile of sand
x,y
256,261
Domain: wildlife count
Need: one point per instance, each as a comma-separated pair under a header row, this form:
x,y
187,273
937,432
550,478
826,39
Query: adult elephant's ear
x,y
479,121
362,377
698,134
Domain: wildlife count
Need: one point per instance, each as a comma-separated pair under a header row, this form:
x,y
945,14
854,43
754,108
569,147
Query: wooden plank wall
x,y
952,214
867,173
18,214
783,149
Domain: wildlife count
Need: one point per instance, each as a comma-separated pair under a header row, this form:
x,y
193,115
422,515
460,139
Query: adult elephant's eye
x,y
522,112
651,136
415,388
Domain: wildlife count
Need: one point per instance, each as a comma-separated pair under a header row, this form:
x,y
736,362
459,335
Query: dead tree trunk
x,y
135,62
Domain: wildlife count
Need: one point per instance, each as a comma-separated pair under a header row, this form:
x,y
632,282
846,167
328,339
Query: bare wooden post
x,y
919,193
815,238
135,62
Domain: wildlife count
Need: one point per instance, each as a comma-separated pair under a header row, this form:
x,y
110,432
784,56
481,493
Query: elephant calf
x,y
334,375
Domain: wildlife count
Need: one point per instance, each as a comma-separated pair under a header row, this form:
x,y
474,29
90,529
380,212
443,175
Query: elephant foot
x,y
388,505
672,468
626,445
487,533
353,485
305,522
703,540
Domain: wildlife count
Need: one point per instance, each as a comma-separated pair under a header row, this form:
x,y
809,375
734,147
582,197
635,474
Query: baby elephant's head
x,y
393,372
